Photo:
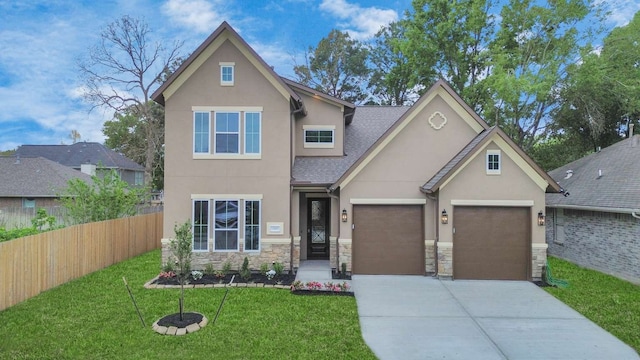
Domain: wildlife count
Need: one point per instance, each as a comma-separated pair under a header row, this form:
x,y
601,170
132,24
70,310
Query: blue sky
x,y
41,41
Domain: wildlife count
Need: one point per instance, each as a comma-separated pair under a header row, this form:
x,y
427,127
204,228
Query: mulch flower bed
x,y
283,279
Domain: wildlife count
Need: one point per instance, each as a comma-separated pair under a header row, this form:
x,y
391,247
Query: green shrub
x,y
245,272
278,268
16,233
209,270
226,268
264,268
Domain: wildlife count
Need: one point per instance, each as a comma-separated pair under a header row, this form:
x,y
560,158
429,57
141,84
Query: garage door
x,y
492,243
387,239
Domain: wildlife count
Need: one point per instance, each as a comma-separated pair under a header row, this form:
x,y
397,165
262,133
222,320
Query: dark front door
x,y
318,228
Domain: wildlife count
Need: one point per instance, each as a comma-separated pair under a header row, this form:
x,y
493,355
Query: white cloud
x,y
621,11
361,23
200,15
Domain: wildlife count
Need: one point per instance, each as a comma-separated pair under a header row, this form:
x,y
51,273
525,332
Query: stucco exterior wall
x,y
322,113
187,176
607,242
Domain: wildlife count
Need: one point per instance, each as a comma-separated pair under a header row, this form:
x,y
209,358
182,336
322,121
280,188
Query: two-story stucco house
x,y
269,169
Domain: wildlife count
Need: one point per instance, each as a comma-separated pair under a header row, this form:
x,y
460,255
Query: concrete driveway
x,y
416,317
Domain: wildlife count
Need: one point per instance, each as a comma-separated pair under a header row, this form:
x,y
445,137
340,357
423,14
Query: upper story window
x,y
227,132
319,136
227,73
201,137
494,162
227,139
252,125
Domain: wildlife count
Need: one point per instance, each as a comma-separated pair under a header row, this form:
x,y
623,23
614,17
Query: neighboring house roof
x,y
158,95
34,177
369,124
80,153
471,149
608,179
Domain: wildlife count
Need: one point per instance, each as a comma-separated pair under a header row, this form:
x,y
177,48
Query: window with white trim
x,y
494,162
227,130
225,236
252,225
139,178
201,139
318,136
200,225
218,132
252,126
227,75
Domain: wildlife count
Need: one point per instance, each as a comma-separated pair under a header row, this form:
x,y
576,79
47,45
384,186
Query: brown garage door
x,y
492,243
387,239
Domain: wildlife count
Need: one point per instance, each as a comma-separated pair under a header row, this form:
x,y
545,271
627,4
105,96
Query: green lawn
x,y
611,303
93,318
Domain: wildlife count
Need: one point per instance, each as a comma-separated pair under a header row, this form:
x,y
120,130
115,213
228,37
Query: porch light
x,y
344,215
445,217
540,219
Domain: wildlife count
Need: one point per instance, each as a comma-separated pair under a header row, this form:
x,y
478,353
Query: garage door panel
x,y
491,243
388,239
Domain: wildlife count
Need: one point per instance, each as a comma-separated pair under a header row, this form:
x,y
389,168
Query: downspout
x,y
329,192
635,215
292,118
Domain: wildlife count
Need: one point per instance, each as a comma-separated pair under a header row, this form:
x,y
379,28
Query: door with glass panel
x,y
318,228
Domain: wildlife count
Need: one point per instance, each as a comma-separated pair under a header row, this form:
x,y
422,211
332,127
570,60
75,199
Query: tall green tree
x,y
601,95
391,72
450,40
530,54
122,71
127,134
337,66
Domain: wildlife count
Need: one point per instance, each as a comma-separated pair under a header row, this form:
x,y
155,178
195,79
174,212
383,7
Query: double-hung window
x,y
227,139
201,137
226,225
227,132
200,225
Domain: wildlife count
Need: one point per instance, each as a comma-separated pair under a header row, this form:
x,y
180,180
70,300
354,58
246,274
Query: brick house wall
x,y
607,242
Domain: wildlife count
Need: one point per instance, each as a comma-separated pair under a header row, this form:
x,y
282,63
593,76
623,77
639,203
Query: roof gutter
x,y
632,212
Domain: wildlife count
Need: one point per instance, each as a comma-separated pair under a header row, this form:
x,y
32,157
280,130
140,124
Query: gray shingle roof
x,y
618,187
34,177
453,163
80,153
369,124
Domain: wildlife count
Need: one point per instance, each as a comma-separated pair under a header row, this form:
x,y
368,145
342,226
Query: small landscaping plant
x,y
226,268
314,285
196,275
264,268
181,248
278,268
297,285
209,270
245,272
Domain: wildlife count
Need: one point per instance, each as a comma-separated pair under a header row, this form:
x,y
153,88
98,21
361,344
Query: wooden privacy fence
x,y
33,264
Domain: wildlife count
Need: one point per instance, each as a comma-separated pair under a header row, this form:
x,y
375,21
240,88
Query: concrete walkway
x,y
316,270
415,317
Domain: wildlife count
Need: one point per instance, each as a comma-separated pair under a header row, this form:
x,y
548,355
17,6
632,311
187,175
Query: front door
x,y
318,228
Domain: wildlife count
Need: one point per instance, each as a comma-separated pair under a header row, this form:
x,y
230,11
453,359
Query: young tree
x,y
337,66
391,72
181,249
105,198
121,73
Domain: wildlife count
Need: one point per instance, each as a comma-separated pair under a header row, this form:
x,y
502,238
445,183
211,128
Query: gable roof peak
x,y
158,95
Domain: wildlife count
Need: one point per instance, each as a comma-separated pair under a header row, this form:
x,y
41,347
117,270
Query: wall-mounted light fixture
x,y
540,219
444,218
344,215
